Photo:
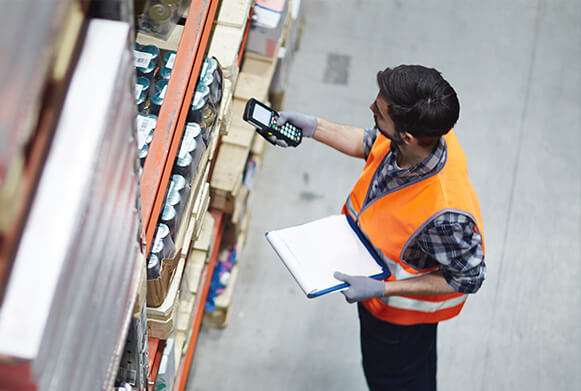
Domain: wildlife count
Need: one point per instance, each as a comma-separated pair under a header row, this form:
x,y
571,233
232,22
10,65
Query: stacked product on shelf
x,y
134,364
154,66
71,293
188,169
159,17
145,124
184,127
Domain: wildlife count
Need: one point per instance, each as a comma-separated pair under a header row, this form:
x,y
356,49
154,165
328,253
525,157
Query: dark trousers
x,y
395,357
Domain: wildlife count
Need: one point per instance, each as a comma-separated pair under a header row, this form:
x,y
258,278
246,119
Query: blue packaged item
x,y
146,58
153,267
156,100
167,65
141,92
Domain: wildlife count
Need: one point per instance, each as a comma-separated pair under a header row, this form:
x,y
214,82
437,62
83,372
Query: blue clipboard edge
x,y
386,273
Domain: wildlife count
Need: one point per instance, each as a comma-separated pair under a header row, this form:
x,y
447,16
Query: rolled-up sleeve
x,y
456,245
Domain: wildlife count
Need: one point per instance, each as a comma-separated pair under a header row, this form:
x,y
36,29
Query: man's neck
x,y
411,154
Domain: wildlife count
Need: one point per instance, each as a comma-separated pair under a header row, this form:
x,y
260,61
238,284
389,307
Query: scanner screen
x,y
261,115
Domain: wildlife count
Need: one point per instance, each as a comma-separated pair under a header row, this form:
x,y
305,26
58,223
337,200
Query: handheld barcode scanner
x,y
264,118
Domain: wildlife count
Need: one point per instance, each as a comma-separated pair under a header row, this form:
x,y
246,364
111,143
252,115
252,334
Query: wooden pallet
x,y
201,209
258,148
196,261
224,47
231,160
161,320
225,113
234,13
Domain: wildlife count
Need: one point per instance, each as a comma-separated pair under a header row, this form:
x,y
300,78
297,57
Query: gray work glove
x,y
308,123
361,288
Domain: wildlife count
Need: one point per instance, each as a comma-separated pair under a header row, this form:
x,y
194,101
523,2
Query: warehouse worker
x,y
415,204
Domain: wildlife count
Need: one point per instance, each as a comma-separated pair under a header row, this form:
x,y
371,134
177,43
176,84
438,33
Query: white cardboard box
x,y
266,26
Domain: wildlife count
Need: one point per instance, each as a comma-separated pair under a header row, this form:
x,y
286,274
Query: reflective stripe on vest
x,y
403,302
394,219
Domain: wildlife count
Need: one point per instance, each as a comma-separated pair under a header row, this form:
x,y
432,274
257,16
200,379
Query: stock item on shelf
x,y
163,244
158,18
125,387
166,65
142,92
188,169
167,367
177,196
207,97
170,220
157,96
266,27
187,161
190,152
145,127
133,366
210,76
146,59
153,67
221,276
179,188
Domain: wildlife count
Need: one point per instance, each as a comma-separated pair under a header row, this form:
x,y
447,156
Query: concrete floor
x,y
516,66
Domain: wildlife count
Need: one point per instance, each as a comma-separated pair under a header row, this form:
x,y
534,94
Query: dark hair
x,y
420,101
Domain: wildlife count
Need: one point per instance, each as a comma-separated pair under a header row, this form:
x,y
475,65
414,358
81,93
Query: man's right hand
x,y
308,124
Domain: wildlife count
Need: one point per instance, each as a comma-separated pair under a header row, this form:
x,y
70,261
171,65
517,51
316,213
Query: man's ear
x,y
408,138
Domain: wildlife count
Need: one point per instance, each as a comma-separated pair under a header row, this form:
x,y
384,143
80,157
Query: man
x,y
415,204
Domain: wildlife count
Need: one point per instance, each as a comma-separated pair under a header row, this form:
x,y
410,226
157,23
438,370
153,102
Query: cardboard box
x,y
266,27
286,52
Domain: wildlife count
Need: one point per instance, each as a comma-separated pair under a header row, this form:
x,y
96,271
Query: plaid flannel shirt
x,y
449,241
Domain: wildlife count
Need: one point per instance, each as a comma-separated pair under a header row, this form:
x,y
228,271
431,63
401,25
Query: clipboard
x,y
314,251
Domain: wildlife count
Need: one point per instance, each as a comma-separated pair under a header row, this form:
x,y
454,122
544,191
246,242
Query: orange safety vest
x,y
393,221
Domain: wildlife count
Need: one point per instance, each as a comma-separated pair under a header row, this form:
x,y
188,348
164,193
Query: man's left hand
x,y
361,288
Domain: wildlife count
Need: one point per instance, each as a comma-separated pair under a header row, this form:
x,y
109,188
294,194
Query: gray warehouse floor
x,y
516,66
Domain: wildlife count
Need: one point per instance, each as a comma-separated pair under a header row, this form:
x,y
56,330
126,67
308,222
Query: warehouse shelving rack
x,y
191,50
172,117
195,37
